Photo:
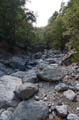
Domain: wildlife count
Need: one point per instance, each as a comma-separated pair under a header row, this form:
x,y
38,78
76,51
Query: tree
x,y
14,18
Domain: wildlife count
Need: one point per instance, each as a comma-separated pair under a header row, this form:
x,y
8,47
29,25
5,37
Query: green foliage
x,y
71,21
62,30
15,23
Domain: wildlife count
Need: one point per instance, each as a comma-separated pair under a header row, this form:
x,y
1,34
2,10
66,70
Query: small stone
x,y
49,105
53,113
78,109
2,110
77,86
50,110
69,94
51,117
77,98
37,98
11,109
53,106
72,116
61,87
45,99
62,110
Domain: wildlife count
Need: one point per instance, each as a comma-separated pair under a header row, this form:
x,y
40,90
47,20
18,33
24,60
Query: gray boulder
x,y
25,91
72,116
31,110
7,87
51,73
61,87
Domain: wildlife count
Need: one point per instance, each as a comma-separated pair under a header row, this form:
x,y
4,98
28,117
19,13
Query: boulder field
x,y
39,88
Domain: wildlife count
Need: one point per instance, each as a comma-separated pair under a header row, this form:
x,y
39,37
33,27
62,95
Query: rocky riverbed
x,y
38,87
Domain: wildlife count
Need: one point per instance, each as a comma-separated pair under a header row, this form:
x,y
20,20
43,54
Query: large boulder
x,y
51,73
31,110
7,87
25,91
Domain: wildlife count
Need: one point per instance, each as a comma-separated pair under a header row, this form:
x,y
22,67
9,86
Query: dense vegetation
x,y
62,31
16,23
16,28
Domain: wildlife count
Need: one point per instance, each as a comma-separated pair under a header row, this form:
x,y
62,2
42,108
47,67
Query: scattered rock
x,y
72,116
69,94
62,110
77,98
50,61
77,87
37,55
45,98
61,87
77,109
51,117
6,115
26,90
37,98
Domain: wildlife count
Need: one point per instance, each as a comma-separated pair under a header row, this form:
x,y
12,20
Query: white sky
x,y
44,9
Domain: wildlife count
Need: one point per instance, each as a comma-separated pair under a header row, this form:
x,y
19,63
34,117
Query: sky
x,y
44,9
